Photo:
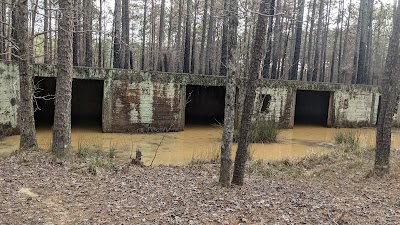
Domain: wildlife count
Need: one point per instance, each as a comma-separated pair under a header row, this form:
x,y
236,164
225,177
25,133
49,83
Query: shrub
x,y
261,131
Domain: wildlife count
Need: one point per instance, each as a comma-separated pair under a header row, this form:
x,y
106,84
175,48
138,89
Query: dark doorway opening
x,y
312,107
45,89
204,105
87,102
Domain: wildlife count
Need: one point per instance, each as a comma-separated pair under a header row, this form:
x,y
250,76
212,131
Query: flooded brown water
x,y
198,143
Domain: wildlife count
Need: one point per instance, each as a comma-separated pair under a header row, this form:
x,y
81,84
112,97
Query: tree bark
x,y
210,40
248,107
125,48
117,34
161,66
45,33
100,47
229,116
299,28
310,42
61,146
186,55
203,38
142,64
26,112
390,91
224,44
193,62
87,27
76,34
317,42
178,40
267,59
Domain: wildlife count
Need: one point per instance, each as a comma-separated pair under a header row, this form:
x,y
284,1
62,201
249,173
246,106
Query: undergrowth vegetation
x,y
348,140
261,131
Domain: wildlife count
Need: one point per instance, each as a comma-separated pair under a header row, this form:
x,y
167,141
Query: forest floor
x,y
336,188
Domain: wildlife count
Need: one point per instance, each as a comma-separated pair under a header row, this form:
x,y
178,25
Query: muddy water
x,y
198,143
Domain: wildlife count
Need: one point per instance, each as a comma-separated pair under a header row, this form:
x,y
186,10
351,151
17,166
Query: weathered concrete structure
x,y
132,101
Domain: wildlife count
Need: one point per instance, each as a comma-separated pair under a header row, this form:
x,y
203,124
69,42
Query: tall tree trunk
x,y
361,73
361,14
267,59
299,28
186,55
13,31
317,42
161,66
303,61
45,32
390,91
276,50
229,118
210,40
193,62
325,43
62,114
125,50
50,33
33,23
339,66
224,44
310,42
203,38
178,40
117,34
248,107
344,52
100,47
333,78
142,63
87,27
168,62
75,39
26,112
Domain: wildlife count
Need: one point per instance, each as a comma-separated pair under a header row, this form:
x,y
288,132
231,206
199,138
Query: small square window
x,y
266,100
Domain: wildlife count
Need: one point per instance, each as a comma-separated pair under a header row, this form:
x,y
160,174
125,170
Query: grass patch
x,y
211,155
348,140
261,131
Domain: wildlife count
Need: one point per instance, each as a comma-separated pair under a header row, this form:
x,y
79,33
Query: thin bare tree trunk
x,y
142,64
125,49
87,27
210,40
25,110
390,91
248,107
178,40
193,62
99,55
229,116
317,42
161,66
117,34
186,55
267,59
203,38
45,32
61,146
299,28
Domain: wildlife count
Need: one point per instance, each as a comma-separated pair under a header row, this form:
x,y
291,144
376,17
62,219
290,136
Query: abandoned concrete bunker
x,y
136,101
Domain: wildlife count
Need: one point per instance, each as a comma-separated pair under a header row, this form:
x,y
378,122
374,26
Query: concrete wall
x,y
9,95
151,101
